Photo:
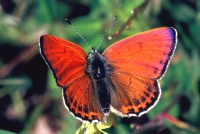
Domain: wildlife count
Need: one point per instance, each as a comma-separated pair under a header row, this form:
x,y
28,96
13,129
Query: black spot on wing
x,y
131,110
94,117
161,61
155,71
85,109
164,53
149,88
75,103
143,99
79,108
136,102
146,94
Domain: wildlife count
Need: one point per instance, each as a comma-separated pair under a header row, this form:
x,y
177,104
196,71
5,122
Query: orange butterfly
x,y
123,79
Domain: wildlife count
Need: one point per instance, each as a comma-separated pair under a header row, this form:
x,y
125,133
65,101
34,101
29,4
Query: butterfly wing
x,y
66,59
133,96
81,100
138,62
68,62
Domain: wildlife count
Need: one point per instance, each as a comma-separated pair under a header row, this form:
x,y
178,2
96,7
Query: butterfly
x,y
123,79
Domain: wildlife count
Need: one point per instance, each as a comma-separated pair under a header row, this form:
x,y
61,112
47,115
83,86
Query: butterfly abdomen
x,y
98,71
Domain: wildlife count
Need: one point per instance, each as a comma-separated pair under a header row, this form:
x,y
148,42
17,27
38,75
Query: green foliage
x,y
5,132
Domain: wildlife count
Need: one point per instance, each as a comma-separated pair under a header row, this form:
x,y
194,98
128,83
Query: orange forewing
x,y
137,62
146,54
67,62
66,59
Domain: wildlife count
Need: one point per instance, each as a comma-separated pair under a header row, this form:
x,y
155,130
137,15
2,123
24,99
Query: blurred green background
x,y
30,101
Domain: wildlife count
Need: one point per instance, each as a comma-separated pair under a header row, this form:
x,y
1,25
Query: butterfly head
x,y
96,65
93,50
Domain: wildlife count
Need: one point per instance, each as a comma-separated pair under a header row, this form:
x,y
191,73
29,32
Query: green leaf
x,y
194,32
6,132
183,13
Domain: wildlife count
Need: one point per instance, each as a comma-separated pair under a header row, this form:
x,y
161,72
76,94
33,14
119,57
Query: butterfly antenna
x,y
114,18
69,22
